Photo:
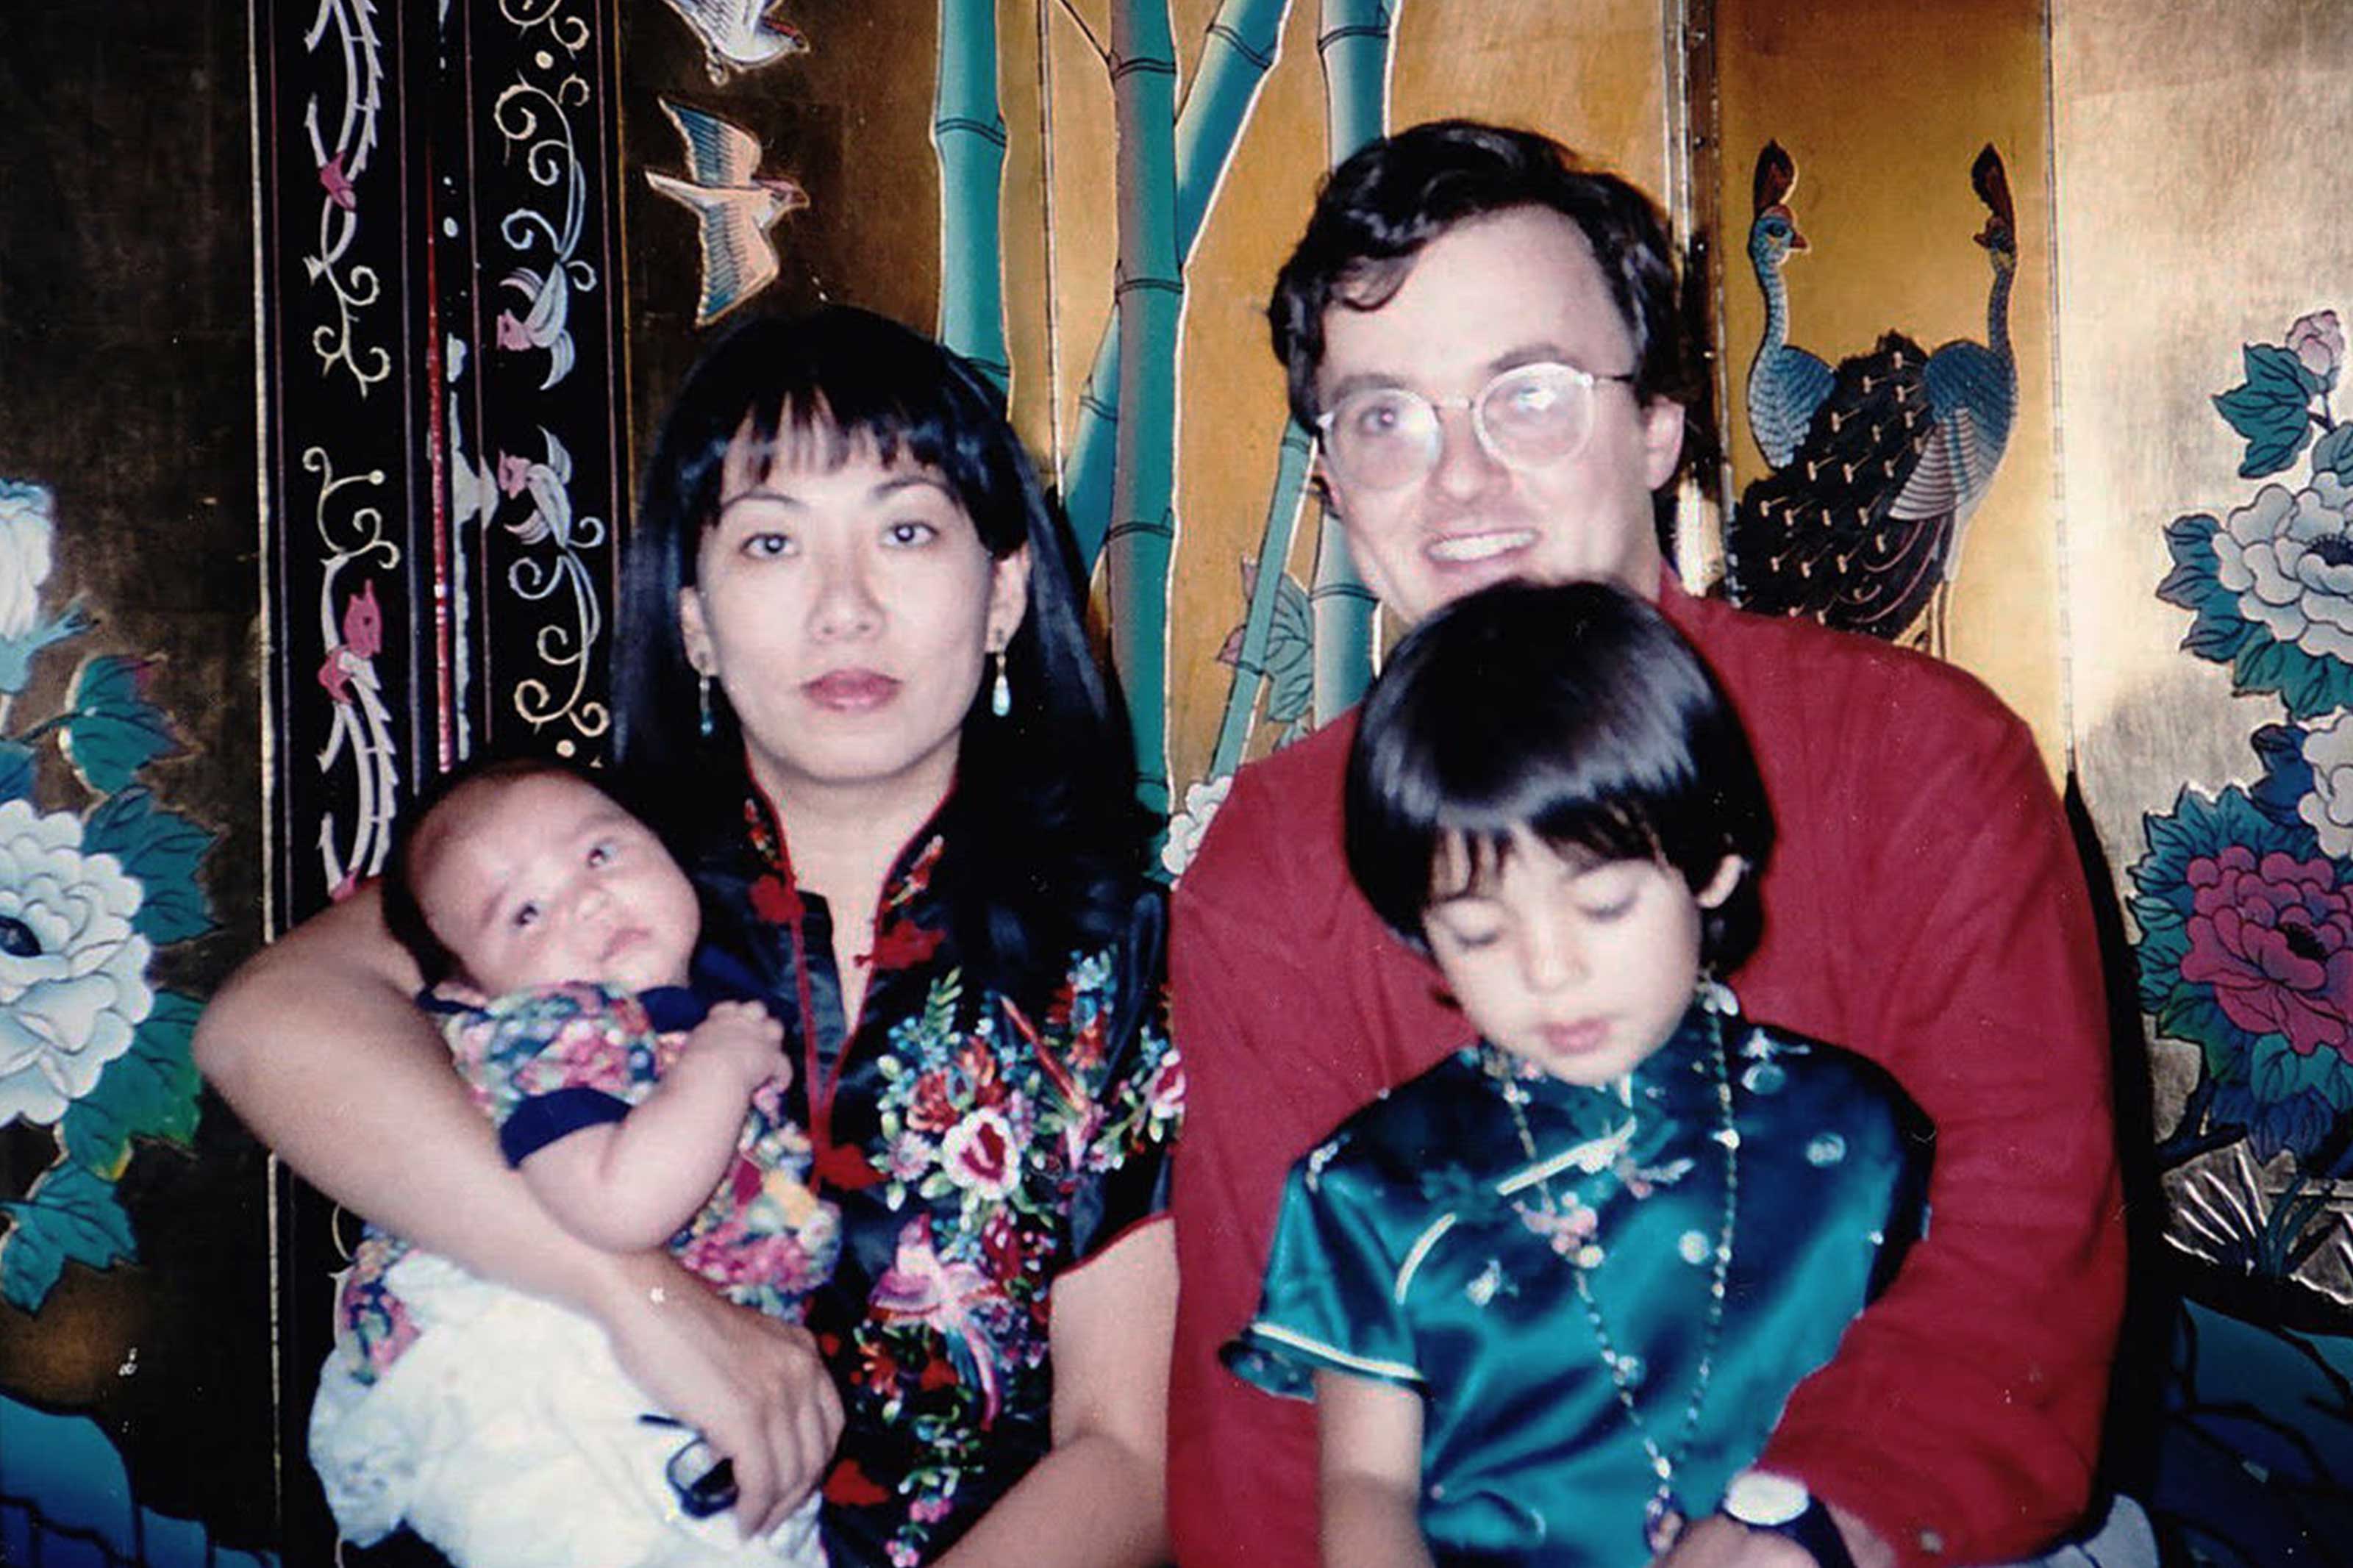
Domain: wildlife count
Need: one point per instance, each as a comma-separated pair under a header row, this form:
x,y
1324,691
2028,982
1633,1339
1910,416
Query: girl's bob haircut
x,y
1574,712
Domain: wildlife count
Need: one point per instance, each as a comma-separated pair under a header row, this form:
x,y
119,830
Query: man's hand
x,y
741,1038
756,1389
1716,1541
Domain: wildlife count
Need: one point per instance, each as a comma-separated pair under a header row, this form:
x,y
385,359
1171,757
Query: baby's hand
x,y
743,1037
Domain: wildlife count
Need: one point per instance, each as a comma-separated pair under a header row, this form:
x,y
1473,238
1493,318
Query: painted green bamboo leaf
x,y
968,135
1238,52
1151,294
1274,548
1354,37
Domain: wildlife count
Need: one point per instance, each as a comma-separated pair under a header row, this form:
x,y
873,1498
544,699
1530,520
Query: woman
x,y
854,678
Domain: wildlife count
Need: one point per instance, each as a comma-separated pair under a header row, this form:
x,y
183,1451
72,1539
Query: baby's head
x,y
1550,796
518,872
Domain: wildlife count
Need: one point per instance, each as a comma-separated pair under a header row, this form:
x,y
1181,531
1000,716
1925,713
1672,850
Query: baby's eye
x,y
525,915
601,855
910,533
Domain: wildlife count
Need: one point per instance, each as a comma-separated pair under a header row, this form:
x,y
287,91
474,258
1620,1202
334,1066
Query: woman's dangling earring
x,y
1000,692
702,700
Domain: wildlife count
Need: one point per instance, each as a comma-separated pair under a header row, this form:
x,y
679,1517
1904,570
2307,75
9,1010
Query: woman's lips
x,y
850,691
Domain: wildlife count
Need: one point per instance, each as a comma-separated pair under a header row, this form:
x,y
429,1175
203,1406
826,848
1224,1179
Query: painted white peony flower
x,y
27,528
1187,827
2329,808
73,974
2289,558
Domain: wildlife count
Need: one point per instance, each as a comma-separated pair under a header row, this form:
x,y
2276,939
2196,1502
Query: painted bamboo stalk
x,y
1353,39
1238,52
1274,548
968,136
1150,294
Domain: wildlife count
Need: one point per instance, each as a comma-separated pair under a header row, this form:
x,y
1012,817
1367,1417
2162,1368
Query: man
x,y
1485,337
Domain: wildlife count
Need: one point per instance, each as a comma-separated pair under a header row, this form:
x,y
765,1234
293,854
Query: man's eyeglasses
x,y
1532,415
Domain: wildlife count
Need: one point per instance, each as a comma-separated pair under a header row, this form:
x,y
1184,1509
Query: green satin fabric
x,y
1397,1257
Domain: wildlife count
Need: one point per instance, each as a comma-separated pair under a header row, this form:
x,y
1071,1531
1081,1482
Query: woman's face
x,y
845,611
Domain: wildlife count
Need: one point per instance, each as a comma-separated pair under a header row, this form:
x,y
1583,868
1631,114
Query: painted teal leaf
x,y
71,1214
2333,453
2192,535
111,730
149,1092
15,771
1290,654
2216,637
162,850
2277,1071
2270,409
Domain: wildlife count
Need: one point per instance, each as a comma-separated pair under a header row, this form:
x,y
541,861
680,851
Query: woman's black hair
x,y
404,916
1045,844
1574,712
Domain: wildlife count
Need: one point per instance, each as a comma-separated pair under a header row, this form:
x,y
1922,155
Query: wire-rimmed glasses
x,y
1530,417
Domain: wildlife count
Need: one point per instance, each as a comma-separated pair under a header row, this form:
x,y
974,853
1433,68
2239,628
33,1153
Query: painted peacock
x,y
1786,384
1862,526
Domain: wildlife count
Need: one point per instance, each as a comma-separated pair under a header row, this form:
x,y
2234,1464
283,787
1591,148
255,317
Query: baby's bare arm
x,y
632,1183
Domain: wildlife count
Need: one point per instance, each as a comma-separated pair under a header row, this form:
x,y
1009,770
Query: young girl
x,y
1550,1296
559,934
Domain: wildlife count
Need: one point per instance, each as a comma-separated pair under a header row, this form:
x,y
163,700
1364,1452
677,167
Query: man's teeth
x,y
1463,547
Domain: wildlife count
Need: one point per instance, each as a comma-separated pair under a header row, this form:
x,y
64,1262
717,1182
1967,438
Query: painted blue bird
x,y
1861,527
1786,384
735,206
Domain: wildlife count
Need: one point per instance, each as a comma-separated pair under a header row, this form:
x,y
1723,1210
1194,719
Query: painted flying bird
x,y
1861,527
734,203
739,36
1786,384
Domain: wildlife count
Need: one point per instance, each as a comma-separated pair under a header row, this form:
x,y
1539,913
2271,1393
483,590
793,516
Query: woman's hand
x,y
756,1389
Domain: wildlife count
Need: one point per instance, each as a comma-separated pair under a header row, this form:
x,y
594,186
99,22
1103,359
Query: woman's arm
x,y
315,1044
1370,1472
632,1183
1096,1501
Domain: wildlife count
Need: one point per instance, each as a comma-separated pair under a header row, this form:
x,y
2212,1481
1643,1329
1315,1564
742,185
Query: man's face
x,y
1493,293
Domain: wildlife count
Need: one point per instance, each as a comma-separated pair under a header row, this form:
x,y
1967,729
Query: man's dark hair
x,y
1574,712
402,915
1375,211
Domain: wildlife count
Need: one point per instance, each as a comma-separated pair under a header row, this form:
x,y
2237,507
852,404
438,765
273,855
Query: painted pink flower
x,y
515,474
2319,342
2275,938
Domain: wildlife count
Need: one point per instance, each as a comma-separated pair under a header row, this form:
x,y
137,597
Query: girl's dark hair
x,y
402,915
1045,843
1575,712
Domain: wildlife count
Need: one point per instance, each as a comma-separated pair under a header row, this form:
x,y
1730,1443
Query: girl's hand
x,y
756,1389
741,1038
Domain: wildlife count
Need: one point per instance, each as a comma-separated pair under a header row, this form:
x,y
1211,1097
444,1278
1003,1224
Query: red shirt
x,y
1923,907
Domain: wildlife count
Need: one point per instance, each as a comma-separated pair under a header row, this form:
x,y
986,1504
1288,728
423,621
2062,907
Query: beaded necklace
x,y
1663,1516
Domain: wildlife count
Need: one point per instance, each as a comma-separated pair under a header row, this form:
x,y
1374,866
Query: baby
x,y
1550,1296
556,934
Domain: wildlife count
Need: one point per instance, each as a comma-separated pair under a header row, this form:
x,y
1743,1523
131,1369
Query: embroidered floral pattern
x,y
990,1124
764,1238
